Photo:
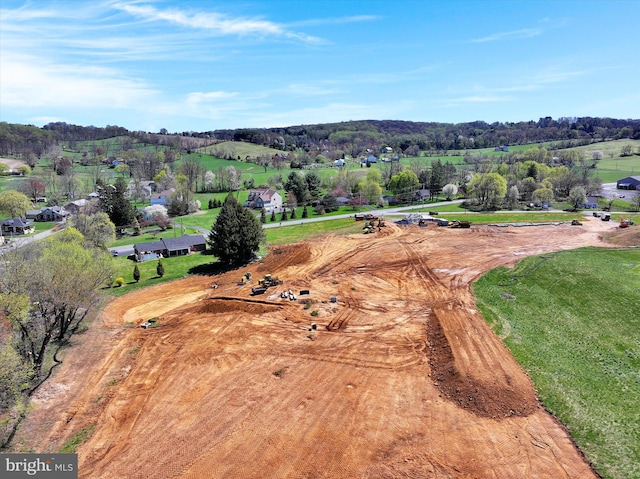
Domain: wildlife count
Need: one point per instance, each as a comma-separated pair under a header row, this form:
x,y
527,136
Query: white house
x,y
268,199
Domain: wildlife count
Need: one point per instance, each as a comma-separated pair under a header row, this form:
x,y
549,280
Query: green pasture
x,y
571,320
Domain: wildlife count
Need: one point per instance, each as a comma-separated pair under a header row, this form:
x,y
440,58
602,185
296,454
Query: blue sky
x,y
206,65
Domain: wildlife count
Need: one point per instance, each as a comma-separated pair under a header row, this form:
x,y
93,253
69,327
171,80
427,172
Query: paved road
x,y
18,242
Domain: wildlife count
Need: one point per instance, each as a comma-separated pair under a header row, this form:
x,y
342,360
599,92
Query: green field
x,y
571,320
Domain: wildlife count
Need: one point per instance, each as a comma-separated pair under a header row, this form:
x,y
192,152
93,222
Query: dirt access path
x,y
401,379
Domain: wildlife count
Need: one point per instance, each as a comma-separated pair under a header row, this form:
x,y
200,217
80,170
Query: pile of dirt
x,y
623,236
284,256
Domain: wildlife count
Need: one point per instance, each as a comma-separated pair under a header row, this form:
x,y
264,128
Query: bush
x,y
119,282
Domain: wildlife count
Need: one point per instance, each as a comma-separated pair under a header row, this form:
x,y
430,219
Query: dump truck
x,y
605,217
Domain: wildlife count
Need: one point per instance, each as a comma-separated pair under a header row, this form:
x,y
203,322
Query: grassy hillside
x,y
571,319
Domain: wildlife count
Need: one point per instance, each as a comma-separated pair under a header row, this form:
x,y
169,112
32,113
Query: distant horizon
x,y
169,132
147,65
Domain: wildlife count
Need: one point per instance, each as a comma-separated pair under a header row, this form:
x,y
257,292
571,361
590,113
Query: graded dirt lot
x,y
401,379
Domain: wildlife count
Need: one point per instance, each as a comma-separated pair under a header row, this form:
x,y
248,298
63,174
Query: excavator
x,y
625,222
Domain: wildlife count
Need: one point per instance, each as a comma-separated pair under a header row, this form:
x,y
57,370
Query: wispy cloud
x,y
213,22
32,82
478,99
335,21
514,34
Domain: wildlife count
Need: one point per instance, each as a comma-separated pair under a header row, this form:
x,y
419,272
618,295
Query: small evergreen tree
x,y
136,273
211,203
160,269
136,227
263,216
293,214
284,216
273,216
305,213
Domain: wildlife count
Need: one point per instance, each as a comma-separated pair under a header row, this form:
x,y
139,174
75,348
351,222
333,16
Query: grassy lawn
x,y
175,268
298,232
571,320
507,217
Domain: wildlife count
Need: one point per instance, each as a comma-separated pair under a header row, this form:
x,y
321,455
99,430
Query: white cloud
x,y
31,82
214,22
515,34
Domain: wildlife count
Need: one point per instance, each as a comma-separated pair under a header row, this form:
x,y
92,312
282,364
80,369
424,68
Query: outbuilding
x,y
629,183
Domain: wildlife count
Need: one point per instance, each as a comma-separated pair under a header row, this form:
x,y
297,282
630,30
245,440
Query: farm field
x,y
401,378
585,360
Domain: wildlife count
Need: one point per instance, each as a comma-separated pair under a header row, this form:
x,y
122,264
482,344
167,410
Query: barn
x,y
629,183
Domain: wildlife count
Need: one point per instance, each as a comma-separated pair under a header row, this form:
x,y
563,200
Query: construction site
x,y
356,356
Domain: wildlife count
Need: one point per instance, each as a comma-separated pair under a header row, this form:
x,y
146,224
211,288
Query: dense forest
x,y
353,138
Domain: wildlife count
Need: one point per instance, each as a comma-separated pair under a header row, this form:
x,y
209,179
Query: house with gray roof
x,y
167,247
17,226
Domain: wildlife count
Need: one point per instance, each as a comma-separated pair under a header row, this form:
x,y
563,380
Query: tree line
x,y
352,137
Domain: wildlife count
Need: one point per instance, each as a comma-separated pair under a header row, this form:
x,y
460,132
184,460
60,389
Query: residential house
x,y
77,206
265,198
168,247
143,189
52,213
629,183
161,198
591,203
422,195
32,214
339,162
501,148
17,226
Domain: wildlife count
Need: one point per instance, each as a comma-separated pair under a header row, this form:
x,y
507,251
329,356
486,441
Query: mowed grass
x,y
571,320
506,217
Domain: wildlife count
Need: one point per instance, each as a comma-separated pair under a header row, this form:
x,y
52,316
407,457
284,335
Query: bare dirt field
x,y
12,164
401,379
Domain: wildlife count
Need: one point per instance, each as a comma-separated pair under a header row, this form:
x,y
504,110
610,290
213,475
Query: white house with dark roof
x,y
265,198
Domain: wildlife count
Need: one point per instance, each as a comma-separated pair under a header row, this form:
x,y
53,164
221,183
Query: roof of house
x,y
172,244
19,222
636,178
79,203
264,193
162,193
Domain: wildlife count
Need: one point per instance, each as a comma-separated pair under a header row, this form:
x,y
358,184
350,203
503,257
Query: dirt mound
x,y
623,236
284,256
401,376
225,305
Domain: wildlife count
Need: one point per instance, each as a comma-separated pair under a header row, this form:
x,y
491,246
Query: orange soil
x,y
402,378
